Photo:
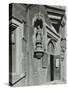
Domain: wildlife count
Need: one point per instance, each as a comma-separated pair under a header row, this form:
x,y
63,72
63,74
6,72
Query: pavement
x,y
23,83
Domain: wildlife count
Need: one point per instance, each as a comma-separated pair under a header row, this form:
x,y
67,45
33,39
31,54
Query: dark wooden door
x,y
51,67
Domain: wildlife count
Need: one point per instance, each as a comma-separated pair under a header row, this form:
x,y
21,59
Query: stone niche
x,y
38,36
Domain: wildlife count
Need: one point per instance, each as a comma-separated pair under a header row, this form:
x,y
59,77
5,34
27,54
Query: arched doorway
x,y
50,49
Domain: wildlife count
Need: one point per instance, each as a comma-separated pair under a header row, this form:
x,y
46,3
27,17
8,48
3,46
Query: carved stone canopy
x,y
38,20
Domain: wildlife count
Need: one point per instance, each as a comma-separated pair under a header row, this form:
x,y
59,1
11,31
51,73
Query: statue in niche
x,y
38,38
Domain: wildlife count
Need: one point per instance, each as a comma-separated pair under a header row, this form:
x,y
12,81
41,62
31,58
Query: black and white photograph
x,y
37,44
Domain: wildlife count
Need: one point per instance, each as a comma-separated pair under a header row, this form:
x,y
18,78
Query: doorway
x,y
51,67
